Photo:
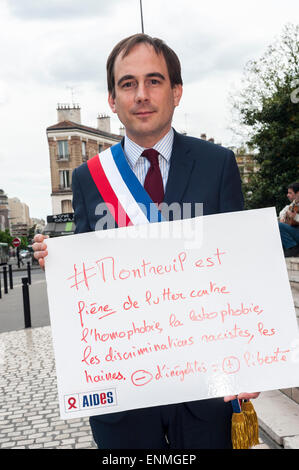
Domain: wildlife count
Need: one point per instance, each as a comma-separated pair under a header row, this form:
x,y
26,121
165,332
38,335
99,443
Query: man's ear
x,y
177,94
111,102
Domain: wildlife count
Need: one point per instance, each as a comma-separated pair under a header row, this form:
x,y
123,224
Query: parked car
x,y
25,254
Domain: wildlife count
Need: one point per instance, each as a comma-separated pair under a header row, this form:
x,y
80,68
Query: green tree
x,y
267,107
5,237
31,233
24,243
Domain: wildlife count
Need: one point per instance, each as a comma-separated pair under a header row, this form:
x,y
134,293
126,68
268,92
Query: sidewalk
x,y
279,418
29,412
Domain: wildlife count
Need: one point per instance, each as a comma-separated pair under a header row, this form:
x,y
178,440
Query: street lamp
x,y
141,15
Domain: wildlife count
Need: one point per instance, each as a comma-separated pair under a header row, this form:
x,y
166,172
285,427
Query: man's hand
x,y
242,396
40,249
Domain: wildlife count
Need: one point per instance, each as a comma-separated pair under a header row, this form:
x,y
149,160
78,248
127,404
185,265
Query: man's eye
x,y
154,81
128,85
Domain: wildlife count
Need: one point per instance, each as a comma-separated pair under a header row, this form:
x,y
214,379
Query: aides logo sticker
x,y
88,400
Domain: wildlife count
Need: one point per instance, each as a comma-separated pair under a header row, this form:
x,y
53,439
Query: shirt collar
x,y
133,151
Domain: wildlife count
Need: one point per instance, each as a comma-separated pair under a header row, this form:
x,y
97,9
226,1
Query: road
x,y
11,304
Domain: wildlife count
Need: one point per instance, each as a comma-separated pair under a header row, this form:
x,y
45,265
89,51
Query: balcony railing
x,y
63,158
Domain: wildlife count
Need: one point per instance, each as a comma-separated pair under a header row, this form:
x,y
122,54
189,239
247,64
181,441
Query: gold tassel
x,y
252,423
239,431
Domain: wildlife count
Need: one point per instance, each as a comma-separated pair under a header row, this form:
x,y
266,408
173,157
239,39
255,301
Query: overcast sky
x,y
50,46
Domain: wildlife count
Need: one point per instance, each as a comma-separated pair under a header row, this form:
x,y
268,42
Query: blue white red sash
x,y
121,190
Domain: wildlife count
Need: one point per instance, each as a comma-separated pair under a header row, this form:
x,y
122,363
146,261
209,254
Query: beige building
x,y
39,224
247,166
4,211
246,163
18,212
70,144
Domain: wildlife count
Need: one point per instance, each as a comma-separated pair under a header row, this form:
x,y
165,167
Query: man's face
x,y
144,99
291,195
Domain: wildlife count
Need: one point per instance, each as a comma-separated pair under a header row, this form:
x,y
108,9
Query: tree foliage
x,y
268,106
5,237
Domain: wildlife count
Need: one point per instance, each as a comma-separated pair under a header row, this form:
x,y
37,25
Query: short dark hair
x,y
294,186
126,45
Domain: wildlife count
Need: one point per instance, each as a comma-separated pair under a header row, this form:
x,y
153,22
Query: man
x,y
289,222
144,87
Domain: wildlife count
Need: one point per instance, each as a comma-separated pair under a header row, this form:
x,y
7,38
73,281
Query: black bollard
x,y
18,257
29,272
10,276
26,302
5,279
0,289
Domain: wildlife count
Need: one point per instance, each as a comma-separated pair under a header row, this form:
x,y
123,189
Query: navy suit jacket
x,y
200,172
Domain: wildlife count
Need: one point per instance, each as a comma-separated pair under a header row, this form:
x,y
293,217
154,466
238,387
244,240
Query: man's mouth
x,y
143,113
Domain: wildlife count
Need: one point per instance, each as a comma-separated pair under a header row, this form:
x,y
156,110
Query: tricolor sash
x,y
124,195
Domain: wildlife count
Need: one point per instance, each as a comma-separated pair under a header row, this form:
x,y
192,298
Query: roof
x,y
70,125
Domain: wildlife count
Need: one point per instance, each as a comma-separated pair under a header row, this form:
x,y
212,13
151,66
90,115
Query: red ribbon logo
x,y
71,401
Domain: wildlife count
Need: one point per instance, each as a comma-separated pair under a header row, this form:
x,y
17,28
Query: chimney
x,y
66,112
203,136
103,123
122,131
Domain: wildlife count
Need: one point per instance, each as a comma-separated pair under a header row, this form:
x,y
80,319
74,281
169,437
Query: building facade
x,y
19,217
4,211
19,212
247,166
39,224
70,144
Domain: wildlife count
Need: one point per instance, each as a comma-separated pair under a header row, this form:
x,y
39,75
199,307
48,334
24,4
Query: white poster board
x,y
171,312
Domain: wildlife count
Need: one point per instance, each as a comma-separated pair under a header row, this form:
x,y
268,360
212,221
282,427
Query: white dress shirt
x,y
140,164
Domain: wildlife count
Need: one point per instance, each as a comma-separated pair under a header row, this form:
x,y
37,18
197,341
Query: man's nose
x,y
141,93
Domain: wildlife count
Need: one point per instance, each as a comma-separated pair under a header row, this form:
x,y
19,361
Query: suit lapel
x,y
180,170
181,165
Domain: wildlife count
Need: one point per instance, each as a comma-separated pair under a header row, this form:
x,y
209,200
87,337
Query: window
x,y
84,157
63,150
101,147
66,206
83,149
64,178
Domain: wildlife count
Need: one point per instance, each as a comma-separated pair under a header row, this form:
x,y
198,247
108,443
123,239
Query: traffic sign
x,y
16,242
